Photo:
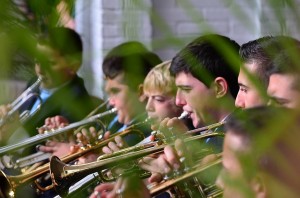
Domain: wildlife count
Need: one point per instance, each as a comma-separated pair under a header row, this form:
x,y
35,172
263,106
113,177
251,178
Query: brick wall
x,y
167,25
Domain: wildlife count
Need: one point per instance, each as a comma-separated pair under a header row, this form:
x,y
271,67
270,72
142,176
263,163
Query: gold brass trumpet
x,y
63,175
17,103
42,137
9,184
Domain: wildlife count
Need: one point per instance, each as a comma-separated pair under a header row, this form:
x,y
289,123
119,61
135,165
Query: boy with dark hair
x,y
125,68
257,57
62,92
284,87
253,163
206,79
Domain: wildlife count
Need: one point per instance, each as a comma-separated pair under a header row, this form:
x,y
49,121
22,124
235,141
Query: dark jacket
x,y
71,101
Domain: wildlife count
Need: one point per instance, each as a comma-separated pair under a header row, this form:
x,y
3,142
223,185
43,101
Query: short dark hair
x,y
65,41
288,60
208,57
262,52
131,58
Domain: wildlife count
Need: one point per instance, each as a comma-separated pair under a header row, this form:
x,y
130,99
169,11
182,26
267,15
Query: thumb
x,y
155,177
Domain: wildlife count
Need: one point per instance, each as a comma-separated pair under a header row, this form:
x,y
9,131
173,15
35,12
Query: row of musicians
x,y
200,80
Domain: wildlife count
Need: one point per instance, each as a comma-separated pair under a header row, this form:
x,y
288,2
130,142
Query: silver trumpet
x,y
42,137
17,103
41,156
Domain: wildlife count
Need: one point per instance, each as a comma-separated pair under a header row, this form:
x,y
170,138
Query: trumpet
x,y
42,137
63,175
17,103
197,176
41,156
9,184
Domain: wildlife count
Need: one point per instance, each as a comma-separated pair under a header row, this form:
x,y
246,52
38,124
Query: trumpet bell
x,y
6,187
56,172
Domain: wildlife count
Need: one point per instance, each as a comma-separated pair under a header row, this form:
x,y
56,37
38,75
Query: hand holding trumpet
x,y
126,187
61,145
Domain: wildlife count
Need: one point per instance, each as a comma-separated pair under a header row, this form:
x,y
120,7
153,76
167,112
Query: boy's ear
x,y
141,94
258,186
221,87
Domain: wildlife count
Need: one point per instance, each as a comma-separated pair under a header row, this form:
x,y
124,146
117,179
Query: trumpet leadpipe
x,y
205,191
42,137
206,128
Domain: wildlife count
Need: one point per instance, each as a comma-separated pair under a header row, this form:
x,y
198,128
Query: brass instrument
x,y
63,175
17,103
9,184
41,156
42,137
191,183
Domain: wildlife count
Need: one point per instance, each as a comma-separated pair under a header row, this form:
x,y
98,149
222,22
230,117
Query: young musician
x,y
62,92
284,87
257,57
253,79
256,165
125,68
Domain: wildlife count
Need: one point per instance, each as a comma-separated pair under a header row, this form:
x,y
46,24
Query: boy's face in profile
x,y
248,95
231,179
195,98
123,98
284,91
161,105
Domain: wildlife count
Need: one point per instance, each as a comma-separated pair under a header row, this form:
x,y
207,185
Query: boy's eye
x,y
114,91
278,102
243,89
184,89
160,99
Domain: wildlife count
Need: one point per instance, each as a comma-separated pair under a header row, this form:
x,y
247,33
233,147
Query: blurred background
x,y
164,26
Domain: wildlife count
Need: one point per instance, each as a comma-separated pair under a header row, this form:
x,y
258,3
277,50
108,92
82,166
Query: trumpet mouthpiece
x,y
113,110
183,115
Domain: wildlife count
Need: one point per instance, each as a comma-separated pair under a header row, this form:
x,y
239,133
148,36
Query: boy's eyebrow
x,y
183,86
242,85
